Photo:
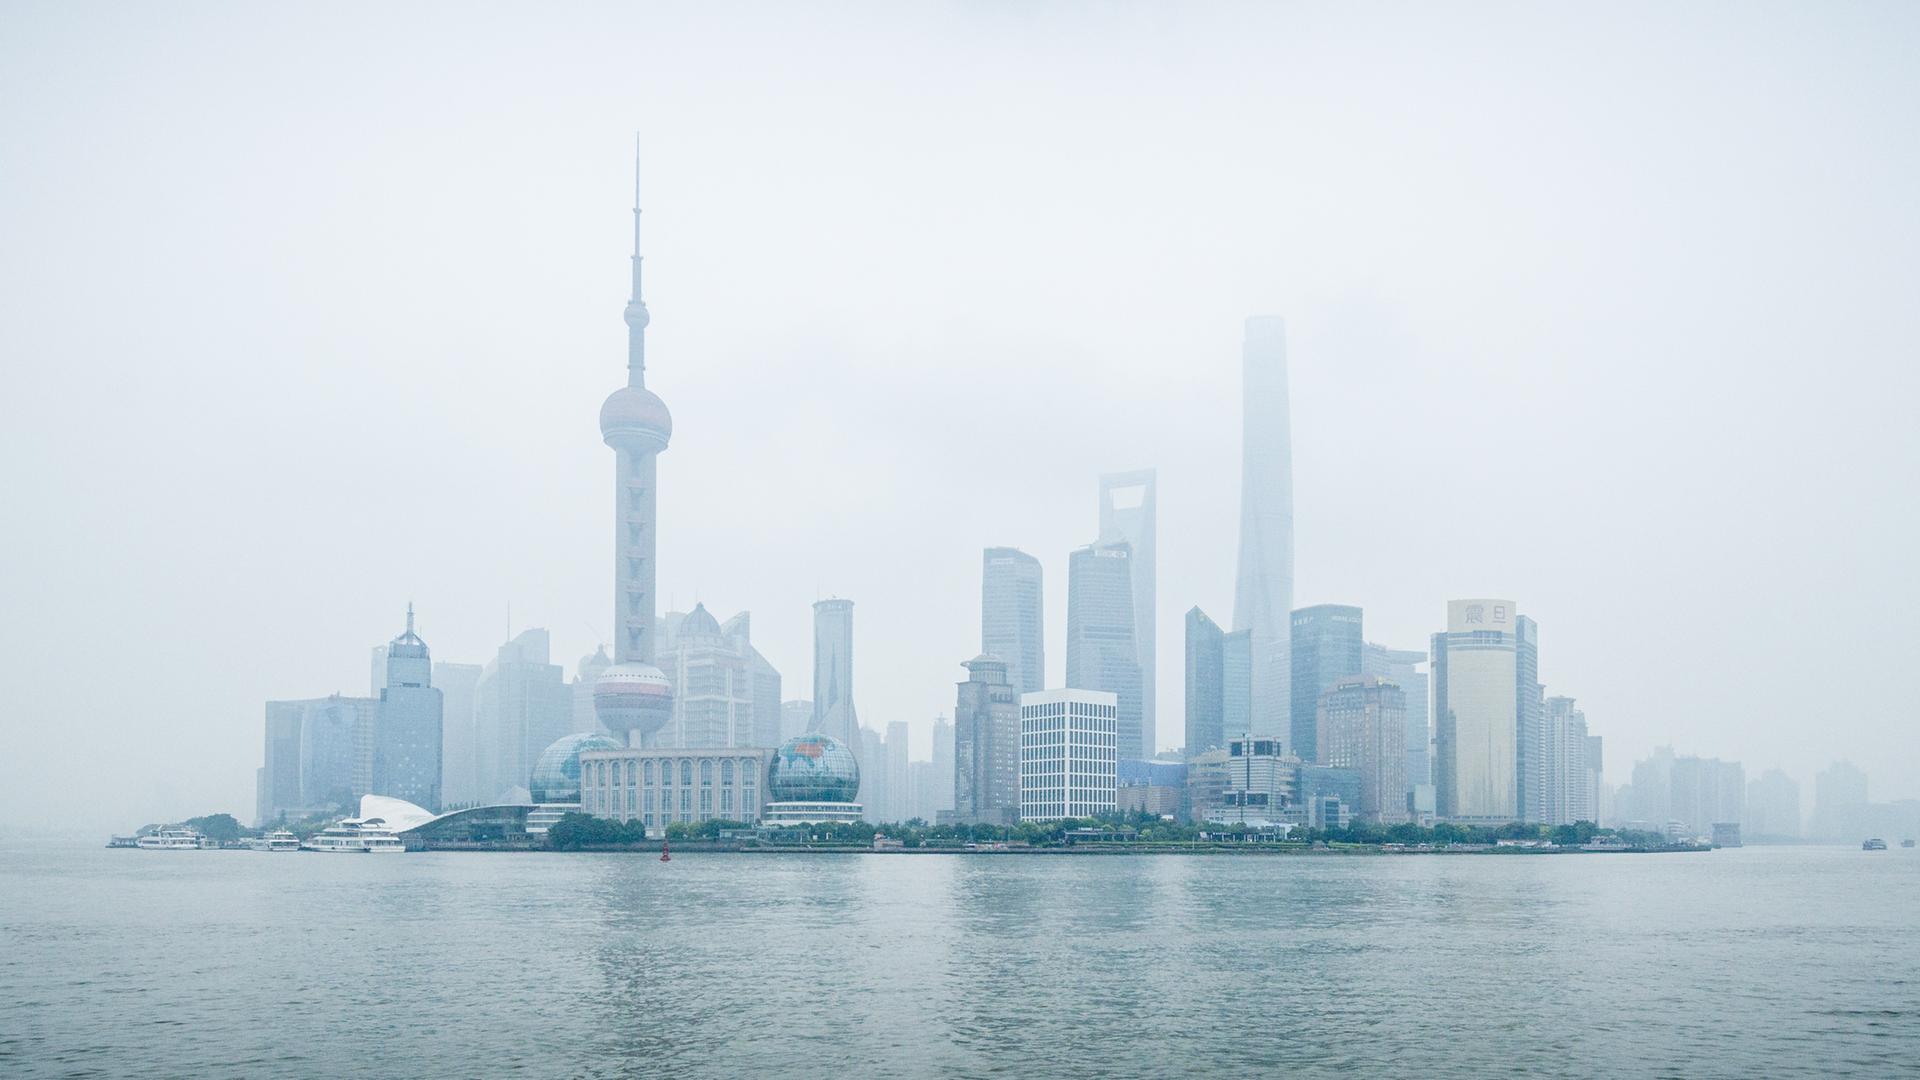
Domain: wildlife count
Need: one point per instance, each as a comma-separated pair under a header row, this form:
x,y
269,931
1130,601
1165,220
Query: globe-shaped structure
x,y
634,418
813,769
556,776
633,699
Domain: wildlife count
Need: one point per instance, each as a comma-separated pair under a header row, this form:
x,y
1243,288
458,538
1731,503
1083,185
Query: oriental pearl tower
x,y
632,698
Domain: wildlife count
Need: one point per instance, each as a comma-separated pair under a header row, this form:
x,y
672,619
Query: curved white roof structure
x,y
398,814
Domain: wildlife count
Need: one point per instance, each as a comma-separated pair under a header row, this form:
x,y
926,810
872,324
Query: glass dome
x,y
813,768
556,776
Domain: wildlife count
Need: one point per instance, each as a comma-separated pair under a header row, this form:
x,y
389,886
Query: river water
x,y
1759,961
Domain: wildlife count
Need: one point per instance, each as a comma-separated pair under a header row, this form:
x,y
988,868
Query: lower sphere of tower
x,y
634,700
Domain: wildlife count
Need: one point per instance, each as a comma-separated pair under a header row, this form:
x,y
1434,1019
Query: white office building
x,y
1068,759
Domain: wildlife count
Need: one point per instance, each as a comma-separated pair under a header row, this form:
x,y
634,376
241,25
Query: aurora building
x,y
1476,693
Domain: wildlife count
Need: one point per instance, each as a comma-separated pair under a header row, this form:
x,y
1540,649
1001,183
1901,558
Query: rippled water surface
x,y
1734,963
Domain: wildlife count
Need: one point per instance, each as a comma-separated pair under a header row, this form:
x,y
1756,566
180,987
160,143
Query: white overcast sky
x,y
308,311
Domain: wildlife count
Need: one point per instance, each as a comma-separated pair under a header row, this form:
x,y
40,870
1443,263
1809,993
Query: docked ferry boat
x,y
277,840
173,838
356,836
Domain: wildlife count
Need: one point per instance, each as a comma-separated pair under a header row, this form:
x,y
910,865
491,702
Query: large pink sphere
x,y
633,700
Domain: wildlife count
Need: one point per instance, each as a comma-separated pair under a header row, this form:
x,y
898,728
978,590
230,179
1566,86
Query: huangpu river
x,y
1750,962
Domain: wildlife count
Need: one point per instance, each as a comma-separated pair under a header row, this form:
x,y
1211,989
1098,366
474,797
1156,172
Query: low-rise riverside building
x,y
1259,784
660,786
1068,759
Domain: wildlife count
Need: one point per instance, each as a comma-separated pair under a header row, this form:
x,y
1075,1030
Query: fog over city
x,y
307,317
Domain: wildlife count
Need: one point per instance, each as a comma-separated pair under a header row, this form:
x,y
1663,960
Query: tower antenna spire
x,y
409,616
636,307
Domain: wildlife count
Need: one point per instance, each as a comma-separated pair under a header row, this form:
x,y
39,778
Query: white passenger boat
x,y
356,836
277,840
172,838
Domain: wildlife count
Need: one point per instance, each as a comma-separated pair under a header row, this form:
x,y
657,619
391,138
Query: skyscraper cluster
x,y
321,754
1342,728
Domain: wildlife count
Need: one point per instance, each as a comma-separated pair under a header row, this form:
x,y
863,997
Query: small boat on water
x,y
124,841
1873,844
359,837
173,838
277,840
1906,843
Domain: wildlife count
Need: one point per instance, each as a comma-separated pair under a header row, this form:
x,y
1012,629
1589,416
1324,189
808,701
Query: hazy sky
x,y
308,312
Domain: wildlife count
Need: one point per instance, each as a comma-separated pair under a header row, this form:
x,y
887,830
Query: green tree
x,y
218,827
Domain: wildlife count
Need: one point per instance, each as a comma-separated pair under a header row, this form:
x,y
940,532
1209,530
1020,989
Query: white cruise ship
x,y
173,838
277,840
356,836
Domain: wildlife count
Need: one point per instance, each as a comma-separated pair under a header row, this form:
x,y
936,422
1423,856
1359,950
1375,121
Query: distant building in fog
x,y
1402,668
870,752
407,739
796,717
1209,774
1683,796
1529,724
318,756
1012,626
522,705
1205,683
1773,806
1328,796
1101,651
1129,507
724,692
459,749
313,756
1263,575
1840,807
584,674
940,784
1151,787
1705,792
1236,680
1363,726
833,711
1572,781
899,772
986,746
1327,647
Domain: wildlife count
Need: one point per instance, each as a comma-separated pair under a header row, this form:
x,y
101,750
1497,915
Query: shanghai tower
x,y
632,698
1263,584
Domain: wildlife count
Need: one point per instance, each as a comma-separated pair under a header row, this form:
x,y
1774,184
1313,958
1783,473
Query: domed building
x,y
555,784
812,779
